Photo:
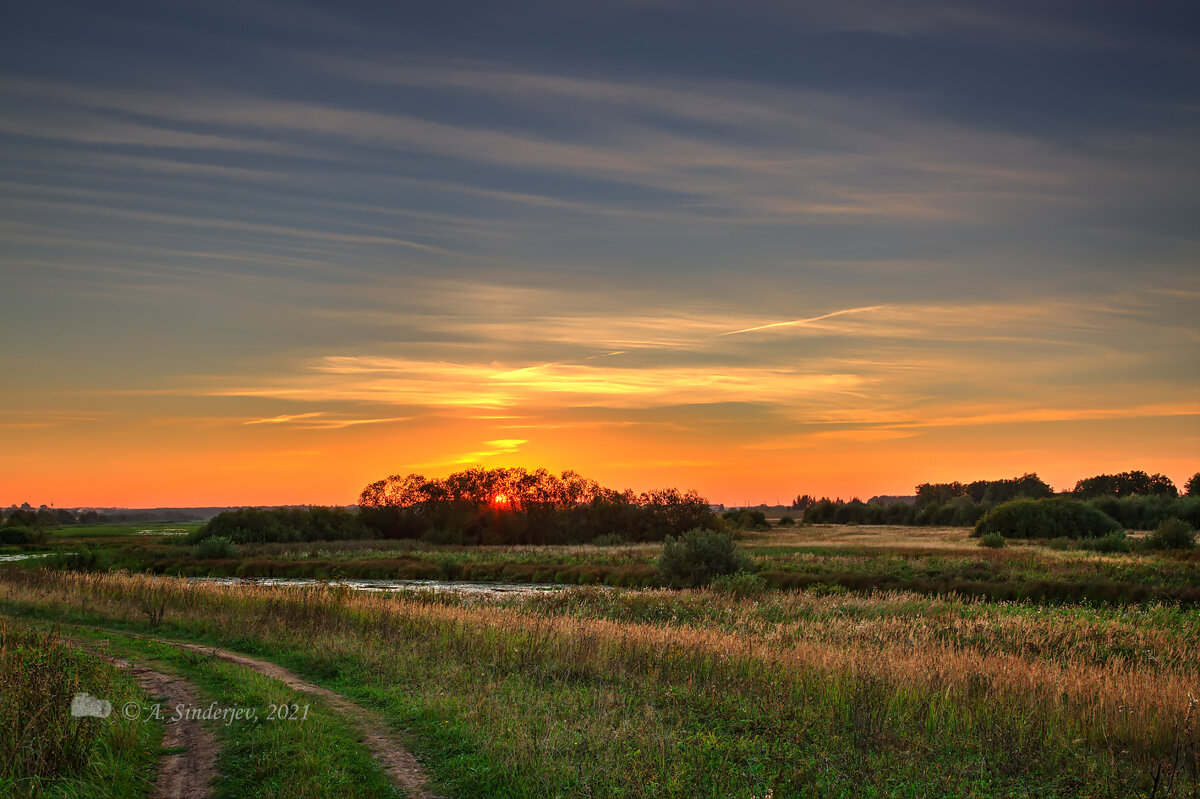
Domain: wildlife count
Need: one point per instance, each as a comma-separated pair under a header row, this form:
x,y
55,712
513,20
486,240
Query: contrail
x,y
803,321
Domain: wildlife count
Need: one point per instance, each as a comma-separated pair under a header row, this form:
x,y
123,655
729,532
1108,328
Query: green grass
x,y
317,757
44,751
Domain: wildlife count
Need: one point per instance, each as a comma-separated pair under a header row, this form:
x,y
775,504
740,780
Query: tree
x,y
938,493
803,502
1192,487
1124,484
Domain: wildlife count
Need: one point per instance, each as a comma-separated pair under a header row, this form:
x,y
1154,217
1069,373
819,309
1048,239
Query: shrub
x,y
85,560
608,540
741,584
14,535
993,540
747,519
445,536
787,521
1113,542
698,556
1172,534
1046,518
215,548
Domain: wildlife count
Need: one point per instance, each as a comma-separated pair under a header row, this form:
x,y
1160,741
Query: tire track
x,y
386,747
188,766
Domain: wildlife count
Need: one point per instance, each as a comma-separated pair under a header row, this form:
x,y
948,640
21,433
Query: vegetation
x,y
1172,534
254,526
273,759
215,547
992,540
1125,484
43,749
747,519
1046,518
716,694
514,506
698,556
1028,486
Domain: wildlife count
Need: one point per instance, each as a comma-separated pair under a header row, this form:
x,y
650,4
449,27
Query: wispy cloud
x,y
807,321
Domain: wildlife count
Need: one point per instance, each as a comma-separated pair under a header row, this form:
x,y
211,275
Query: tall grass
x,y
42,747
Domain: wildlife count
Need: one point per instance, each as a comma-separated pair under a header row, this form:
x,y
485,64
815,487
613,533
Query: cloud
x,y
320,420
807,321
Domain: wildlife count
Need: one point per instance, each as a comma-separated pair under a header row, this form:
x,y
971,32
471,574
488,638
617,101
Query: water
x,y
449,586
24,556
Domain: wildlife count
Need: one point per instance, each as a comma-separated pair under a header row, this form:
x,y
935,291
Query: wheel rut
x,y
384,744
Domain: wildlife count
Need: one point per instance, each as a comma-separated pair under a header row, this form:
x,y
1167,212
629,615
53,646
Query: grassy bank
x,y
708,694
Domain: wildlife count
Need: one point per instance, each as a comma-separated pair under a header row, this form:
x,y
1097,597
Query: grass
x,y
317,757
704,693
44,751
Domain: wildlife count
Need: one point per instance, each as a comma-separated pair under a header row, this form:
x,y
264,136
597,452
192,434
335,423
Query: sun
x,y
500,499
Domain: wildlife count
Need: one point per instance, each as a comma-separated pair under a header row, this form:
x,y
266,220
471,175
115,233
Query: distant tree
x,y
1125,484
803,502
938,493
1192,487
23,518
996,491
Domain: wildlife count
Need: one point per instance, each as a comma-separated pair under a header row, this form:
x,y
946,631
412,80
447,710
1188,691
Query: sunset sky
x,y
267,252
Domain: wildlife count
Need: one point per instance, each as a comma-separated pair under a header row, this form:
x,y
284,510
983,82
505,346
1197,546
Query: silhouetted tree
x,y
1125,484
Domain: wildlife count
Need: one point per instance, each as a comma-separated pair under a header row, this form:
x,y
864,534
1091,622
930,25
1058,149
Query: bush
x,y
85,560
1148,512
608,540
1113,542
1046,518
698,556
215,548
747,519
14,535
742,584
787,521
1172,534
444,536
993,540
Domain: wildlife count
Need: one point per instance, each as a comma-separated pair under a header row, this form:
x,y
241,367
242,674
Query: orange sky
x,y
248,260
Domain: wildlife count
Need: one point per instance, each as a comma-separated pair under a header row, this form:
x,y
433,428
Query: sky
x,y
268,252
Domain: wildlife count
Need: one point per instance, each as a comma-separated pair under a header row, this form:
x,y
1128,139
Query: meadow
x,y
853,661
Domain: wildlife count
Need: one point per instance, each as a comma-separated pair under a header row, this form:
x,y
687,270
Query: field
x,y
874,680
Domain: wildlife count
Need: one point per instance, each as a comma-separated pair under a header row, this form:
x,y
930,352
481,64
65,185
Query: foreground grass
x,y
888,695
44,751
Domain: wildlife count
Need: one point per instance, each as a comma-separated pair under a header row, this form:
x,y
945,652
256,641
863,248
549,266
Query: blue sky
x,y
650,241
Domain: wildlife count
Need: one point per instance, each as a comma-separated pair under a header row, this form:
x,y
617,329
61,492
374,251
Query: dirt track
x,y
187,773
387,748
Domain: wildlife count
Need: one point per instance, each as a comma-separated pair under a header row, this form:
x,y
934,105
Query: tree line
x,y
1134,499
481,506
